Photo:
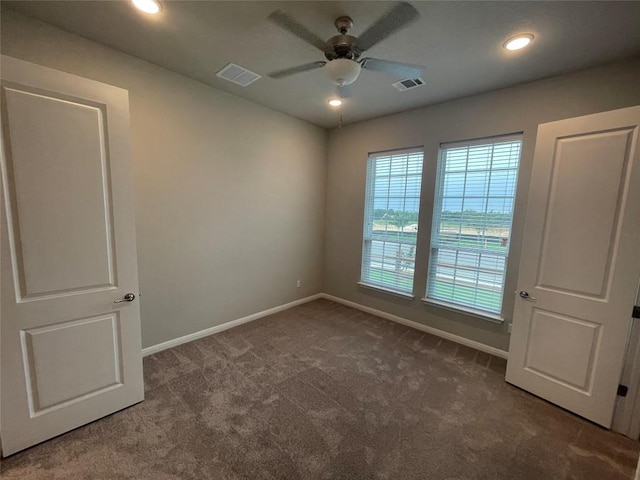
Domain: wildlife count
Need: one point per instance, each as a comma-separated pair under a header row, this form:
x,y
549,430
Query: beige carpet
x,y
323,391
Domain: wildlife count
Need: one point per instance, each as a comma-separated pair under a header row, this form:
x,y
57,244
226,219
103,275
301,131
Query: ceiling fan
x,y
343,51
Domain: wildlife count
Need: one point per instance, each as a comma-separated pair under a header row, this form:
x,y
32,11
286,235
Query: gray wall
x,y
229,195
517,109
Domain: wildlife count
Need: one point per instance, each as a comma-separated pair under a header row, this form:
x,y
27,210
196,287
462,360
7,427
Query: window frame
x,y
434,244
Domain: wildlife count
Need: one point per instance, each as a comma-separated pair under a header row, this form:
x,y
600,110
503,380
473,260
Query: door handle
x,y
526,296
129,297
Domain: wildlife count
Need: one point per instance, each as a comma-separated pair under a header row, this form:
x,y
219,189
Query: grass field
x,y
472,297
459,294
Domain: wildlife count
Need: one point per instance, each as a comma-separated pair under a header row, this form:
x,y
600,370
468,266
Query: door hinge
x,y
623,390
636,311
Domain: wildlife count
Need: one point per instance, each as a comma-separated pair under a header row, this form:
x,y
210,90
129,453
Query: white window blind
x,y
391,219
473,212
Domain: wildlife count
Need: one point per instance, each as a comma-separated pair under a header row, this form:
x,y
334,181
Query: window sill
x,y
486,316
407,296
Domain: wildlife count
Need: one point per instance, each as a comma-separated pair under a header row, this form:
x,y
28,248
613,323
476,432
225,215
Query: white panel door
x,y
580,263
69,354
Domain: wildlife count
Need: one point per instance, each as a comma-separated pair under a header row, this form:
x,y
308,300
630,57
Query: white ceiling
x,y
459,43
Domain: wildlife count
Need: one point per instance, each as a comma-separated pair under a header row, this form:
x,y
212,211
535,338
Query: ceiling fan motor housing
x,y
342,46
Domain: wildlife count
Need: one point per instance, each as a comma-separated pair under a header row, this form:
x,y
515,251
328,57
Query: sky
x,y
471,174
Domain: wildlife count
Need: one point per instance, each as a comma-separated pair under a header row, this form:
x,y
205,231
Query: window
x,y
391,219
473,212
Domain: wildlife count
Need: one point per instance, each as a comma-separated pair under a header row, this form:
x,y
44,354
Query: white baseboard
x,y
225,326
418,326
379,313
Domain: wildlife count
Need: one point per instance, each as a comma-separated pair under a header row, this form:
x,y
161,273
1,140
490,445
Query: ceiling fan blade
x,y
299,69
290,24
395,19
401,70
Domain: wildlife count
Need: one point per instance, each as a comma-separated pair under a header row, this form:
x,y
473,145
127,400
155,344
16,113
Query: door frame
x,y
626,416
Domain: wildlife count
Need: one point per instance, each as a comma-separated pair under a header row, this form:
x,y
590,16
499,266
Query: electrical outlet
x,y
298,284
509,328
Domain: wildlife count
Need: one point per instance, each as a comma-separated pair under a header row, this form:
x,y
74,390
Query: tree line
x,y
468,218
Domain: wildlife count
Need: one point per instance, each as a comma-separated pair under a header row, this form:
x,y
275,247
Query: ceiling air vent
x,y
238,75
408,83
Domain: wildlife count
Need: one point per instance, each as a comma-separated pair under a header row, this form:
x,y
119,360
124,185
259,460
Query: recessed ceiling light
x,y
147,6
518,41
335,102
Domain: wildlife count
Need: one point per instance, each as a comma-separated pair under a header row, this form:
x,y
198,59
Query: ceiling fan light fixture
x,y
335,102
342,71
147,6
518,41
